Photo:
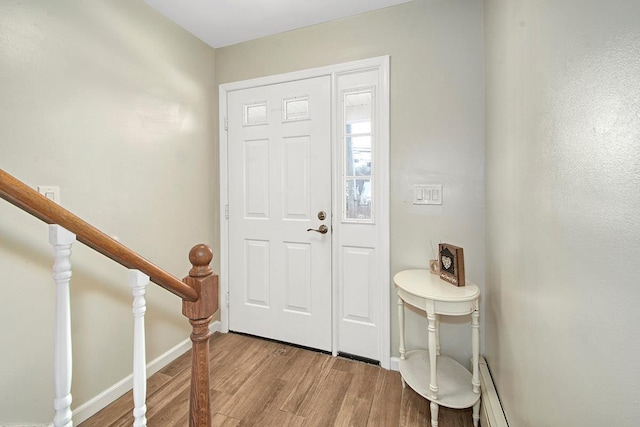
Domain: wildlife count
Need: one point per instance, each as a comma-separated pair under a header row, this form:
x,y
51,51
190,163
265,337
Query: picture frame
x,y
451,262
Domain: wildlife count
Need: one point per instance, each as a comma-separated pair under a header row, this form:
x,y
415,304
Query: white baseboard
x,y
491,412
108,396
394,365
215,326
27,425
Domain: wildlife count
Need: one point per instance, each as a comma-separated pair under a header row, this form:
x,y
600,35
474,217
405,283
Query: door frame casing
x,y
381,64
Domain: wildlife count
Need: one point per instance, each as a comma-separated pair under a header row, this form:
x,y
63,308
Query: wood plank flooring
x,y
256,382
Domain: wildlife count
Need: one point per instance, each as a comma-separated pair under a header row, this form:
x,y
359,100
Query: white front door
x,y
279,180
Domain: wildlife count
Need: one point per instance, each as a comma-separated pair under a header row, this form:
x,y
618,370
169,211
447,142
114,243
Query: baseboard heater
x,y
491,413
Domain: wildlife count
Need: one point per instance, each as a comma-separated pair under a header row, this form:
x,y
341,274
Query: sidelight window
x,y
358,139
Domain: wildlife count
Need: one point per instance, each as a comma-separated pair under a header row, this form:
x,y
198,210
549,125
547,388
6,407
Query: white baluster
x,y
61,240
138,282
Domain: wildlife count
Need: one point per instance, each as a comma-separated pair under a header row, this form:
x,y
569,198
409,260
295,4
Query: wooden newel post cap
x,y
200,257
202,279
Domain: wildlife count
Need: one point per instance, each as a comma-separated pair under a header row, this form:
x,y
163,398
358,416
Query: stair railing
x,y
198,291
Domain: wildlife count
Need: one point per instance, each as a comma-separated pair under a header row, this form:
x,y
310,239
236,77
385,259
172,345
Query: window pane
x,y
360,127
357,107
255,114
296,109
358,199
358,155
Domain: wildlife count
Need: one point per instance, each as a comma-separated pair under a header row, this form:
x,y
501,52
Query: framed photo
x,y
451,260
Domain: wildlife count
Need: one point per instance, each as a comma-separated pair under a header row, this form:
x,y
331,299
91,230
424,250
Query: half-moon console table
x,y
438,378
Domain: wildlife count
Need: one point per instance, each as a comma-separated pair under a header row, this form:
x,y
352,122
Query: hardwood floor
x,y
256,382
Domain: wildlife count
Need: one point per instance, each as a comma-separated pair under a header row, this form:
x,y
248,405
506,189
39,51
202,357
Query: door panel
x,y
279,168
257,281
359,297
297,283
256,168
295,173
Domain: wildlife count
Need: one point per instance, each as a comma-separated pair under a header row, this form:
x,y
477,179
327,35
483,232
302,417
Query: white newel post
x,y
138,282
61,240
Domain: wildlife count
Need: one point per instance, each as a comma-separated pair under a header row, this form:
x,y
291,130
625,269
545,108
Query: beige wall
x,y
436,52
85,91
563,197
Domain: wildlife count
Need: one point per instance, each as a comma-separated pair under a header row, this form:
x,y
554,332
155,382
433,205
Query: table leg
x,y
402,348
476,414
401,323
434,414
437,335
475,343
433,385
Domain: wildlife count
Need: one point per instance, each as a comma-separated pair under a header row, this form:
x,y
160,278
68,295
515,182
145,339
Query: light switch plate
x,y
427,194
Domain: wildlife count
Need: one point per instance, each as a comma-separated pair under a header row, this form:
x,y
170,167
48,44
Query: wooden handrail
x,y
29,200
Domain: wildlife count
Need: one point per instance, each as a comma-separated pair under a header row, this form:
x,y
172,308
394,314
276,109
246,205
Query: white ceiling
x,y
225,22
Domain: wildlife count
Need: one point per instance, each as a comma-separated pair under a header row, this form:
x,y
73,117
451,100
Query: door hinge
x,y
227,299
226,211
226,123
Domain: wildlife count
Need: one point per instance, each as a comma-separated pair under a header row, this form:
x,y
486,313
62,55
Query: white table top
x,y
423,284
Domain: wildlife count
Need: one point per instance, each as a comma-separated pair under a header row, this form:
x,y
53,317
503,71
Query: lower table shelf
x,y
454,380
